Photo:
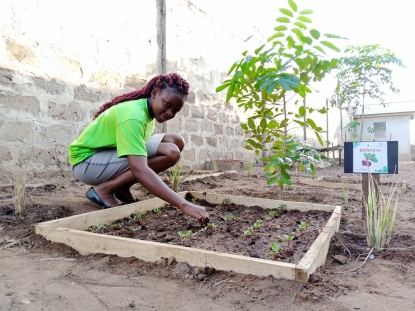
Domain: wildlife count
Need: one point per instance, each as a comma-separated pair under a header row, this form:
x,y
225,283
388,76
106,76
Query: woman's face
x,y
165,104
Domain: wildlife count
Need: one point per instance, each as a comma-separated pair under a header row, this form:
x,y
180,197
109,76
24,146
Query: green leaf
x,y
307,40
304,19
244,126
263,123
286,12
319,48
283,20
306,11
315,33
322,110
251,124
302,111
280,28
331,36
300,123
247,39
297,31
286,180
271,87
259,49
285,85
293,5
229,94
301,25
223,86
272,180
266,83
311,123
330,45
333,63
276,35
290,41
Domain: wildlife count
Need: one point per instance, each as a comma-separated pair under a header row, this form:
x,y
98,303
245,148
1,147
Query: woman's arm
x,y
151,181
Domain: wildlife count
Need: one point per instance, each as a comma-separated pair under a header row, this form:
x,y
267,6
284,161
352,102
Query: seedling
x,y
176,176
190,234
101,226
133,229
275,249
194,199
228,217
138,216
182,236
257,223
282,206
225,201
157,211
301,227
289,238
273,213
345,188
92,229
248,232
250,168
211,227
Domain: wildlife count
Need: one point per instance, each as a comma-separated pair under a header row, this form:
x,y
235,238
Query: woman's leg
x,y
167,155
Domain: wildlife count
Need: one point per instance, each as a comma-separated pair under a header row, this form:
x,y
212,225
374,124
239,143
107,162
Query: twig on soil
x,y
359,266
350,255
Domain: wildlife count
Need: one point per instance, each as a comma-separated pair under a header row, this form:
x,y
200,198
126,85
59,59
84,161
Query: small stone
x,y
197,271
340,259
131,305
26,302
302,297
162,263
160,235
314,278
201,277
248,250
171,260
180,269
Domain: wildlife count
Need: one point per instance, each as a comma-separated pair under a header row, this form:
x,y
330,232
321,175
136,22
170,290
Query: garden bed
x,y
71,231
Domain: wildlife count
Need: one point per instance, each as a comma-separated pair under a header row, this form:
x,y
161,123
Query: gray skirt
x,y
105,165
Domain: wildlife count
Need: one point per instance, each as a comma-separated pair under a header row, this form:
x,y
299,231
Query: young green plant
x,y
275,249
250,168
380,215
345,187
176,176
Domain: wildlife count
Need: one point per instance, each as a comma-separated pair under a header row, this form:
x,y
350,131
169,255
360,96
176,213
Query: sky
x,y
362,21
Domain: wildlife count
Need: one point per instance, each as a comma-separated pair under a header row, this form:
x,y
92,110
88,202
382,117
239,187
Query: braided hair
x,y
171,81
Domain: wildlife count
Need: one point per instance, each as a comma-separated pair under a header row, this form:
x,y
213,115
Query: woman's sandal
x,y
94,197
124,201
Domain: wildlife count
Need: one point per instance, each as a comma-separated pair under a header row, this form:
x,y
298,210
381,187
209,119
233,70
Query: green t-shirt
x,y
125,126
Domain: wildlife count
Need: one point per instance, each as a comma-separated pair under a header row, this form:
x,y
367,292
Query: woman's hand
x,y
196,211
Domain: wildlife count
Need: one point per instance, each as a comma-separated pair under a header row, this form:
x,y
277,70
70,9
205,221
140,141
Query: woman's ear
x,y
154,92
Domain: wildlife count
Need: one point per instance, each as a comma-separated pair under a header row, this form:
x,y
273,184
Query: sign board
x,y
376,157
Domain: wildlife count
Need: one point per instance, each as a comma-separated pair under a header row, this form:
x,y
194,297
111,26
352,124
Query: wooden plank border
x,y
71,231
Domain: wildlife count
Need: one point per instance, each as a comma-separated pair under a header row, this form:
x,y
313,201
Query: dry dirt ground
x,y
36,274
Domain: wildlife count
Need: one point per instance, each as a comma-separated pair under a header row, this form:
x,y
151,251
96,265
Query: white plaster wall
x,y
397,128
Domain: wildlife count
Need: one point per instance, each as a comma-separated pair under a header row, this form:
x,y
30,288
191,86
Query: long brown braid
x,y
172,81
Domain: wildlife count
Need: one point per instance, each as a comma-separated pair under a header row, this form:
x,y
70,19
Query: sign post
x,y
374,157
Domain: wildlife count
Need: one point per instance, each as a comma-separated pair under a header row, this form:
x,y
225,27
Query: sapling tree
x,y
364,72
265,84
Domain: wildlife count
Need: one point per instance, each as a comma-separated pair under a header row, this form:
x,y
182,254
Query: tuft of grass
x,y
176,176
345,187
250,168
380,215
19,179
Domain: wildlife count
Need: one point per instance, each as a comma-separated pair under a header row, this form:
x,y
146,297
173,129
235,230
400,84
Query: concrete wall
x,y
397,129
60,60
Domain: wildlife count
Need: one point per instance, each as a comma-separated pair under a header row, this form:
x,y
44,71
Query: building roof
x,y
404,107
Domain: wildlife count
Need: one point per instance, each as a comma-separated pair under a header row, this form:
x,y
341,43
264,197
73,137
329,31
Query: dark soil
x,y
227,235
